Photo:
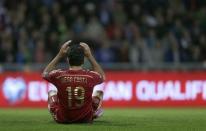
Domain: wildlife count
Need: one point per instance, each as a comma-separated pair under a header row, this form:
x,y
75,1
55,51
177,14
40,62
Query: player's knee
x,y
52,93
98,93
52,97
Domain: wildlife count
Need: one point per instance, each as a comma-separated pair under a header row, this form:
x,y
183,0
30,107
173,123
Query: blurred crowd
x,y
135,31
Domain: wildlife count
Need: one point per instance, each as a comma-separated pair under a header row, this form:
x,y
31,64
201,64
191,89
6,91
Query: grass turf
x,y
113,120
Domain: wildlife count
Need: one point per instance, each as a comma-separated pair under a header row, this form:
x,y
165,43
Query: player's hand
x,y
87,51
64,49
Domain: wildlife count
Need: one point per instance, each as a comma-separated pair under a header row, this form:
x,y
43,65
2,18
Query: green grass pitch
x,y
113,120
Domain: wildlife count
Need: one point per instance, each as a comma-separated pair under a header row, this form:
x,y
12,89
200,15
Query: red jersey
x,y
75,89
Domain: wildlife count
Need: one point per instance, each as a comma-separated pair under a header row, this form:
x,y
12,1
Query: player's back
x,y
75,89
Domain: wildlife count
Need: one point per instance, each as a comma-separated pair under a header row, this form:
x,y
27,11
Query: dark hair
x,y
76,55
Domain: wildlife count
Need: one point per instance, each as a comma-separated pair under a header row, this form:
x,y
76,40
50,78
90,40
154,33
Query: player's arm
x,y
52,65
95,65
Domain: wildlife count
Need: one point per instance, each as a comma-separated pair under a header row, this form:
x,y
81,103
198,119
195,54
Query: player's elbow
x,y
44,75
103,77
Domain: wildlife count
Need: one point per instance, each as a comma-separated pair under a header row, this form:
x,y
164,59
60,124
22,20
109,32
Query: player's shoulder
x,y
93,73
52,74
56,71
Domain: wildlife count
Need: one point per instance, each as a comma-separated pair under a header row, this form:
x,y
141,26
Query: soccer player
x,y
73,101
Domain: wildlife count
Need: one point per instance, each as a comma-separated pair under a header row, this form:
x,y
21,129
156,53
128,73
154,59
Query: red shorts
x,y
58,116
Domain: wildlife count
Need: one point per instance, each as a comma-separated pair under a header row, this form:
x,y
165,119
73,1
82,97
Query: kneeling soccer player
x,y
73,101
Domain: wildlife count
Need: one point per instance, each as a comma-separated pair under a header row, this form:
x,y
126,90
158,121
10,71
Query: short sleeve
x,y
97,78
51,76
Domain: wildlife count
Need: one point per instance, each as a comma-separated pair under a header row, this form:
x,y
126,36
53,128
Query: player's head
x,y
75,55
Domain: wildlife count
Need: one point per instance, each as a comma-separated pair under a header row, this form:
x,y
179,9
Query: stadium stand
x,y
126,31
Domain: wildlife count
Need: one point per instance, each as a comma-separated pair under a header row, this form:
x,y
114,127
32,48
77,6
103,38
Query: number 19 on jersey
x,y
75,97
